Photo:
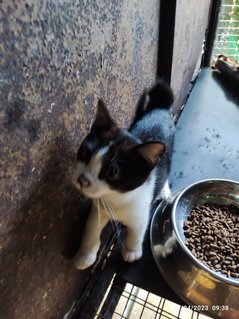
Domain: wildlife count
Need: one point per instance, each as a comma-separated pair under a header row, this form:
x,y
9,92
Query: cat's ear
x,y
151,151
103,120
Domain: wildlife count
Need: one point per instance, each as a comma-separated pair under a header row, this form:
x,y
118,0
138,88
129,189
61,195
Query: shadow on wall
x,y
49,234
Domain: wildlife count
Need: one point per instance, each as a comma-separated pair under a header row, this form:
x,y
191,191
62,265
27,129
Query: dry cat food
x,y
212,235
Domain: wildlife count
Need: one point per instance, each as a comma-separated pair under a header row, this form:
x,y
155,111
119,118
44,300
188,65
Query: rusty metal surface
x,y
56,59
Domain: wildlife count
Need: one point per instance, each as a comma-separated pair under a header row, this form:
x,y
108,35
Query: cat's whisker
x,y
111,216
112,212
98,210
107,212
94,205
114,219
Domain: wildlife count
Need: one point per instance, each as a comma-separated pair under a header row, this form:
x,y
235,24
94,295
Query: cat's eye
x,y
112,172
84,155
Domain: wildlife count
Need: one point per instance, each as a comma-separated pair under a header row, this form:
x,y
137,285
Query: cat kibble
x,y
212,235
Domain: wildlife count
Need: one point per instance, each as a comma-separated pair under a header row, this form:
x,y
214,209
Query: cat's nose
x,y
83,181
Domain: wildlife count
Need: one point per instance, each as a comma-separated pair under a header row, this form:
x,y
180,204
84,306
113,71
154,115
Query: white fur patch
x,y
91,171
131,208
167,248
165,192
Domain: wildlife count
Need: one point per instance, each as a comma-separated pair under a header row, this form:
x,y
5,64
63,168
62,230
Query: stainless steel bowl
x,y
200,287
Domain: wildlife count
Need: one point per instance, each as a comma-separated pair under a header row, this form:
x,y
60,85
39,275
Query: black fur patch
x,y
134,153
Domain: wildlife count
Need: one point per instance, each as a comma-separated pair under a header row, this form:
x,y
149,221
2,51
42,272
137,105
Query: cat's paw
x,y
162,251
131,255
165,192
83,261
167,248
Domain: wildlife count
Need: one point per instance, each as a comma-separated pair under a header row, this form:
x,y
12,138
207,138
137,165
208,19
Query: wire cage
x,y
132,302
227,34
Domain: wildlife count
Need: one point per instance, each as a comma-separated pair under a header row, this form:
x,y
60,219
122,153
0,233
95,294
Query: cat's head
x,y
112,159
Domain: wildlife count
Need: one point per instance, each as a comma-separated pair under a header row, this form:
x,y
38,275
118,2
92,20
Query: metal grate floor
x,y
137,303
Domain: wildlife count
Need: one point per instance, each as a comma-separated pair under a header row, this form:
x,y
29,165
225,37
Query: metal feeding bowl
x,y
204,287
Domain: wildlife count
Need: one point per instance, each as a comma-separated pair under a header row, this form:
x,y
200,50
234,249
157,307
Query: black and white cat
x,y
125,170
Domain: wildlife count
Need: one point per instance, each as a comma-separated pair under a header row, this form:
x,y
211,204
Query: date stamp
x,y
197,308
220,307
200,308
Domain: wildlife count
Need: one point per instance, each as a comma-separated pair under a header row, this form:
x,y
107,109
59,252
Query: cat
x,y
124,170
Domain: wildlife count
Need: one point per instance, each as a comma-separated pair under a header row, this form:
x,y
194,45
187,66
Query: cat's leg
x,y
165,192
133,249
87,253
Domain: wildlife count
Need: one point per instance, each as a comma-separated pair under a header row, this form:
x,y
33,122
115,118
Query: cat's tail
x,y
159,96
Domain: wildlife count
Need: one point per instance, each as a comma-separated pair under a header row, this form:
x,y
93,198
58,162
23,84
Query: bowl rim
x,y
218,275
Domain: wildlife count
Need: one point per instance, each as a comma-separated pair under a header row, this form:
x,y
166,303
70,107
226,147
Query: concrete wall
x,y
56,59
191,22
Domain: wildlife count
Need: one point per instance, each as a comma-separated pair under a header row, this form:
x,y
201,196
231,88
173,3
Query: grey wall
x,y
56,59
190,27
